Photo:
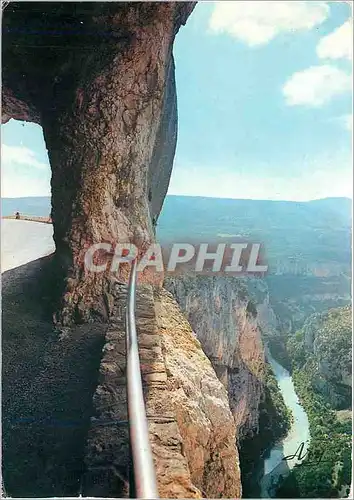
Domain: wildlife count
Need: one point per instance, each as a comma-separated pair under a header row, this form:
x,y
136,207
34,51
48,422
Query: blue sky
x,y
264,103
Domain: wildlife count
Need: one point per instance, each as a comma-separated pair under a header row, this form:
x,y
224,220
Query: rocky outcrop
x,y
190,423
101,84
107,456
224,319
323,347
201,405
228,315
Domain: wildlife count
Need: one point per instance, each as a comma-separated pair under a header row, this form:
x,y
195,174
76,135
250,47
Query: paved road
x,y
23,242
47,387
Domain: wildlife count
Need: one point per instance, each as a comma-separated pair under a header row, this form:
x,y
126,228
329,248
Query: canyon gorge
x,y
104,92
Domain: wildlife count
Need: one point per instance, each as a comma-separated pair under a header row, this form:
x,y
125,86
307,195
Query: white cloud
x,y
258,22
21,156
316,85
338,44
22,174
17,185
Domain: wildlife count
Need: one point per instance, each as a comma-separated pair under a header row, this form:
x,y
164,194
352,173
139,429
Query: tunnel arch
x,y
100,81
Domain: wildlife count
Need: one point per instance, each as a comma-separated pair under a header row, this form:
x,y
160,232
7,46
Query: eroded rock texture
x,y
225,321
201,404
107,457
192,431
99,78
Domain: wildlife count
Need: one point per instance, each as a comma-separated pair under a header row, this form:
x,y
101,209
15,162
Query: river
x,y
274,465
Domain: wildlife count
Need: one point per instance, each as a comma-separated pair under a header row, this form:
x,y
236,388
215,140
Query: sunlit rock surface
x,y
104,92
223,317
192,431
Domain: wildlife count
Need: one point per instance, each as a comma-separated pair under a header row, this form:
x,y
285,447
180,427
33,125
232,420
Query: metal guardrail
x,y
144,477
143,465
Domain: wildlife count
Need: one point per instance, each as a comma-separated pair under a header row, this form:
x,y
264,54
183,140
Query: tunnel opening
x,y
27,230
109,122
48,379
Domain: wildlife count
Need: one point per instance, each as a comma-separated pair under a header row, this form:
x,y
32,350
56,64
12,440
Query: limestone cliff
x,y
201,405
225,321
228,316
191,426
99,79
101,84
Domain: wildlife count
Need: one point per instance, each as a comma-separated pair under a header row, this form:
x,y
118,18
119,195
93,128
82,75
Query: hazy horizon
x,y
217,198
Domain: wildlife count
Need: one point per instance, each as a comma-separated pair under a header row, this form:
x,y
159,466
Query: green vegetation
x,y
275,416
316,351
296,349
323,348
326,471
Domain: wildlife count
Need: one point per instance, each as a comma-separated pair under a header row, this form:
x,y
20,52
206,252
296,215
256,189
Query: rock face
x,y
228,315
224,319
47,386
104,93
192,431
107,457
201,405
325,344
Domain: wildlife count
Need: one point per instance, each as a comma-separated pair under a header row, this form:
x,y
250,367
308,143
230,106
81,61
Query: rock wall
x,y
224,320
104,93
191,426
201,404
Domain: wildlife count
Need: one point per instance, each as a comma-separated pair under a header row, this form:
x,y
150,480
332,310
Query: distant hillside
x,y
206,211
187,214
323,347
341,206
299,235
